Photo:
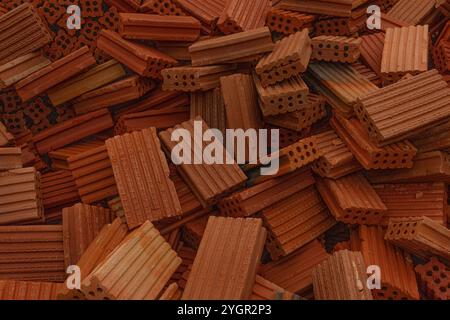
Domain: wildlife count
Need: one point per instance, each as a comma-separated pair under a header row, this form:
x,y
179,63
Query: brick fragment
x,y
335,48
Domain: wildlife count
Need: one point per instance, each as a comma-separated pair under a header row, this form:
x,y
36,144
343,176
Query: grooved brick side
x,y
398,281
352,199
341,277
81,224
138,269
207,181
231,247
148,194
295,221
28,290
93,174
294,272
32,253
23,31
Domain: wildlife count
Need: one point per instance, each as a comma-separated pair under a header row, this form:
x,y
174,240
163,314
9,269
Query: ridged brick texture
x,y
263,289
288,22
58,191
414,200
336,160
72,130
294,272
28,290
367,73
107,240
241,101
444,7
172,292
406,108
161,7
157,99
321,7
352,199
207,181
243,15
116,93
188,256
420,236
436,138
10,158
192,79
231,47
81,224
21,67
398,280
149,194
433,278
155,27
160,119
340,84
85,82
32,253
311,112
233,248
193,232
336,49
441,56
20,196
143,60
412,12
289,57
55,73
295,221
341,277
405,51
210,107
23,31
369,154
138,269
207,11
372,51
6,138
59,156
125,5
115,205
188,201
286,96
431,166
252,200
93,174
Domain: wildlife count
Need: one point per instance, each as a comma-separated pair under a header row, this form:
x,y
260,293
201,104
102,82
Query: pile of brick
x,y
87,177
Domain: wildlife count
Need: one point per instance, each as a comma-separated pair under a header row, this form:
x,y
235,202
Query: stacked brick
x,y
96,125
